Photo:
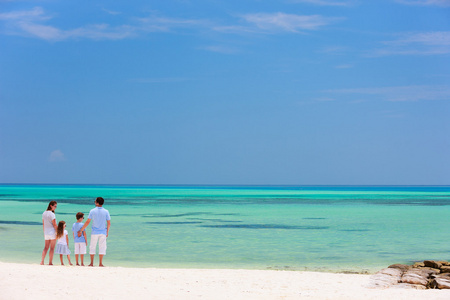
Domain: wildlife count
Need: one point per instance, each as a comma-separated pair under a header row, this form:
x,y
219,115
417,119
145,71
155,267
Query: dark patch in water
x,y
172,223
176,215
215,220
20,223
266,226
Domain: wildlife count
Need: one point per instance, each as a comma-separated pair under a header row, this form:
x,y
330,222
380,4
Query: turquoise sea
x,y
322,228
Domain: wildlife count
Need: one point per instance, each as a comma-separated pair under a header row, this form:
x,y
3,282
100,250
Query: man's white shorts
x,y
101,239
80,248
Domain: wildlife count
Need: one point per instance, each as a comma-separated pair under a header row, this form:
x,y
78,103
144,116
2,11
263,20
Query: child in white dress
x,y
62,245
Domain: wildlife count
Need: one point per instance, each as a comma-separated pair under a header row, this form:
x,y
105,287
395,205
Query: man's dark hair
x,y
100,200
80,215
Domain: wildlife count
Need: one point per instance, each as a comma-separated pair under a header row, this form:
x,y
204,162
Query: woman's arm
x,y
67,240
54,224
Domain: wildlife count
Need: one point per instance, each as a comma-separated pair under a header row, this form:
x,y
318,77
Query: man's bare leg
x,y
101,260
92,260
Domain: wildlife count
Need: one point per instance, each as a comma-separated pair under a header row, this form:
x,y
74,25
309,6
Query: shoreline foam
x,y
33,281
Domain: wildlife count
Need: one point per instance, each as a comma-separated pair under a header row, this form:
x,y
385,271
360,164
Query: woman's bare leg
x,y
44,252
52,251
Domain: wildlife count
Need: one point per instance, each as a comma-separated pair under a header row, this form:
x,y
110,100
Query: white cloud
x,y
425,2
221,49
36,13
111,12
56,156
35,23
402,93
426,43
287,22
30,23
156,23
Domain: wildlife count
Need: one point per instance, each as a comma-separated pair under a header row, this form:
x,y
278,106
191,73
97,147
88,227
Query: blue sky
x,y
225,92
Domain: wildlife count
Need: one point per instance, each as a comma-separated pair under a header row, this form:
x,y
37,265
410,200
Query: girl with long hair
x,y
62,246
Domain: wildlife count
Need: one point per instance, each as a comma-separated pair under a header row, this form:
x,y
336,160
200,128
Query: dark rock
x,y
415,278
439,283
401,267
385,278
426,272
432,264
410,286
445,269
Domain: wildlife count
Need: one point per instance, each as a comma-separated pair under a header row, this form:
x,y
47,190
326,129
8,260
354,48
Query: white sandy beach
x,y
33,281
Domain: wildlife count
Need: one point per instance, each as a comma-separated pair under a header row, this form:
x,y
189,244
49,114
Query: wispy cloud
x,y
273,22
443,3
158,23
426,43
32,23
326,2
111,12
221,49
36,23
401,93
56,156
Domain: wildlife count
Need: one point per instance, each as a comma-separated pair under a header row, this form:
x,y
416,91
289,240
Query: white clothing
x,y
62,240
101,239
47,217
80,248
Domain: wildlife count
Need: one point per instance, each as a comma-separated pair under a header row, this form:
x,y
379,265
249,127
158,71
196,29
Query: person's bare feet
x,y
91,265
71,264
82,265
101,265
42,263
78,264
50,264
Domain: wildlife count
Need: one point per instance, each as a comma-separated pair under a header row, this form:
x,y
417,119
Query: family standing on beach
x,y
57,237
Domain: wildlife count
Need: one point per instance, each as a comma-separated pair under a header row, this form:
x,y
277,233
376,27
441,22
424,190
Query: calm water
x,y
314,228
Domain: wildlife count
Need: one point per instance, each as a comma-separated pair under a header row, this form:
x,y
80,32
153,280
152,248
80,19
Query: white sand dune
x,y
33,281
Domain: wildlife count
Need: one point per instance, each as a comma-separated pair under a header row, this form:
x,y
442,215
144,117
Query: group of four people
x,y
101,222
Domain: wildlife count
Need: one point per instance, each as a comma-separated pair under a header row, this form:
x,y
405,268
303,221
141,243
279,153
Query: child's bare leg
x,y
76,259
92,261
82,259
101,260
61,258
68,258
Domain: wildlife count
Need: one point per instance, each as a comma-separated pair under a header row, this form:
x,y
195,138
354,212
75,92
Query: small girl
x,y
62,246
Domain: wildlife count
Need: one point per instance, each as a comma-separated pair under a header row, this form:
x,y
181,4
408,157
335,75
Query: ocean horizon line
x,y
222,185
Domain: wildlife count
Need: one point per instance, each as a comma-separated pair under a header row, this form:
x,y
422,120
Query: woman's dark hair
x,y
51,204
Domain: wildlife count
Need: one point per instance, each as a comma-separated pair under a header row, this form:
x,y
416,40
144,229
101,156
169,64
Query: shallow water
x,y
258,227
